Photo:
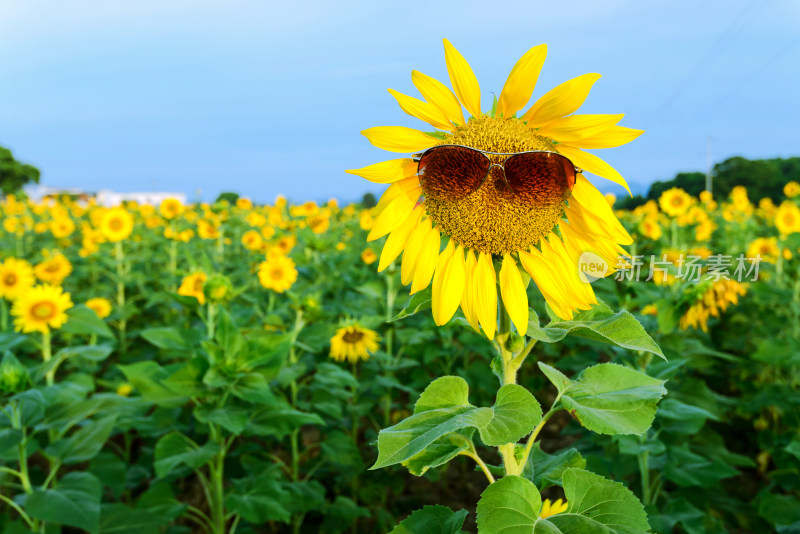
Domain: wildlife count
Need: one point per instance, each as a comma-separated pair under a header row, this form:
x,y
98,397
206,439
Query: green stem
x,y
644,470
390,296
22,447
509,377
119,257
173,261
3,315
211,320
47,355
20,511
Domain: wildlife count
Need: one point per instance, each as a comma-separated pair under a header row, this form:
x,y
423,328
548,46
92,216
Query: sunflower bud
x,y
515,342
14,376
218,288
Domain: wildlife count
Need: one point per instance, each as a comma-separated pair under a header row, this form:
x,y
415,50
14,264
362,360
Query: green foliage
x,y
13,174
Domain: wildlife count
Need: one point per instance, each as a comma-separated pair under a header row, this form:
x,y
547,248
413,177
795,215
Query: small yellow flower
x,y
319,224
41,308
54,269
62,227
124,390
675,201
353,343
340,246
365,220
369,256
650,309
100,306
116,224
550,509
791,189
650,228
16,278
192,286
244,203
171,208
252,240
277,273
787,218
766,247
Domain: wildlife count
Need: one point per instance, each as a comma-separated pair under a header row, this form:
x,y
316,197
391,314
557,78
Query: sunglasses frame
x,y
417,158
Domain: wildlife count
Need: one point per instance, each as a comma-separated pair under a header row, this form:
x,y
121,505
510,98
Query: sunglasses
x,y
538,177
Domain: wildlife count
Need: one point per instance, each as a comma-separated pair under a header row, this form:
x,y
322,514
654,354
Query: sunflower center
x,y
198,285
115,224
10,279
277,274
43,310
352,336
493,219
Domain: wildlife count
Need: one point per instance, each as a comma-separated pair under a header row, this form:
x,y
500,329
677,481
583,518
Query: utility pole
x,y
708,166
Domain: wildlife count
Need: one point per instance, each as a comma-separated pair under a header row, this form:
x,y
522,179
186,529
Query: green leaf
x,y
546,469
420,301
432,520
84,444
279,421
686,468
176,449
121,519
94,353
82,320
75,502
600,324
9,437
231,418
443,408
556,377
595,504
511,505
111,471
257,508
440,452
172,338
683,418
612,399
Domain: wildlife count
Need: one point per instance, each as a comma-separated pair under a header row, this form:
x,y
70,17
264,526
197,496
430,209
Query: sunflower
x,y
766,247
62,227
368,256
41,308
552,508
491,227
277,273
675,202
54,269
353,343
650,228
791,189
116,224
192,286
16,278
787,218
252,240
171,208
100,306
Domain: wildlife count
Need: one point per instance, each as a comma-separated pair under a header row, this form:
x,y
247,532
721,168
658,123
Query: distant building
x,y
109,198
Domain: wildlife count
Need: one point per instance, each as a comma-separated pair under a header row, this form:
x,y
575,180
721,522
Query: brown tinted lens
x,y
452,172
540,178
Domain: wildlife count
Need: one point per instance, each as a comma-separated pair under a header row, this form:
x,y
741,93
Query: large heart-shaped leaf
x,y
612,399
443,408
74,502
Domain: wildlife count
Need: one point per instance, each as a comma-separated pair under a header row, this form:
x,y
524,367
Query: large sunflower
x,y
41,308
116,224
492,227
16,277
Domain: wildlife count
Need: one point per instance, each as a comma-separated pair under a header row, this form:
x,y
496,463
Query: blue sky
x,y
261,97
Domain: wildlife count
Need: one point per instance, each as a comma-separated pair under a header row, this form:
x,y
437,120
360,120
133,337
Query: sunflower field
x,y
450,360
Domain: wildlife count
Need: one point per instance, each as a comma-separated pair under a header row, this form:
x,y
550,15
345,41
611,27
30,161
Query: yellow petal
x,y
468,297
561,100
613,136
392,216
464,82
398,238
422,110
574,127
408,187
439,95
398,138
521,82
545,280
512,290
593,202
426,262
485,281
412,250
451,286
387,172
591,163
438,283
